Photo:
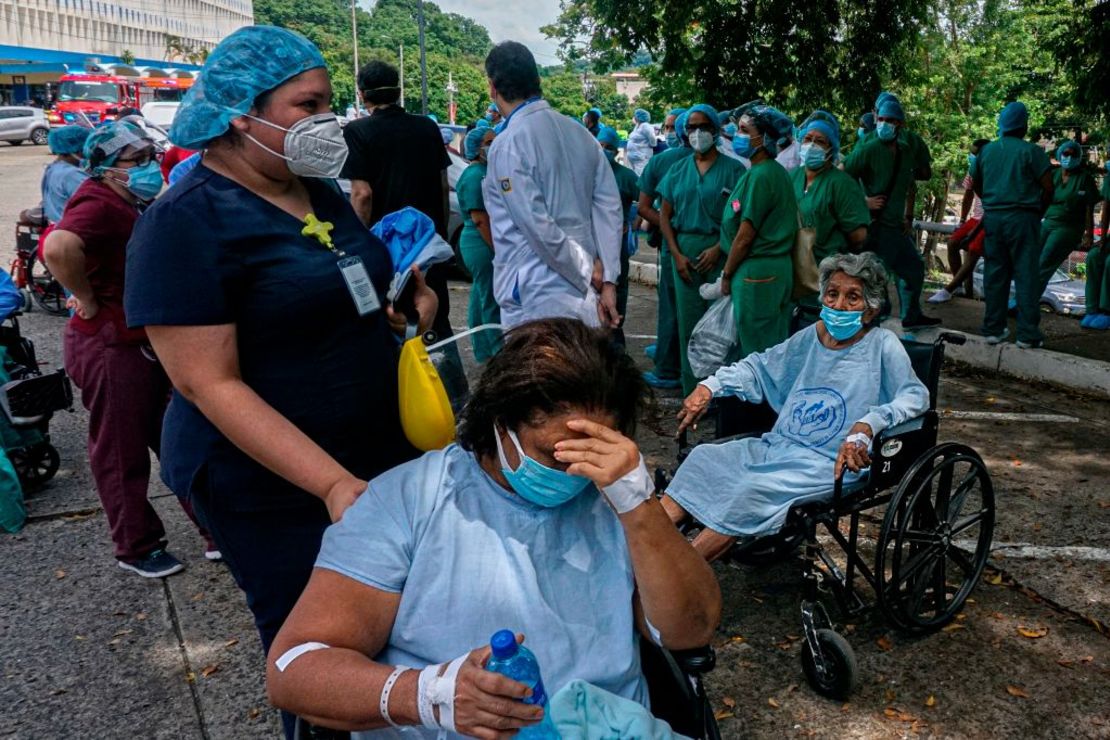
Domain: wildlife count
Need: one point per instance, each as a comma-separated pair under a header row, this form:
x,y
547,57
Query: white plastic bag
x,y
713,338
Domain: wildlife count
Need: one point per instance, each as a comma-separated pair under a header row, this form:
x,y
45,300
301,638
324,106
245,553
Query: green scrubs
x,y
667,362
833,205
872,164
763,284
1098,277
478,258
630,192
1065,220
1008,172
699,202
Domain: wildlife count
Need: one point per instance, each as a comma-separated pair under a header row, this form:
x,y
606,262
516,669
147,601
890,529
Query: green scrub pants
x,y
1057,242
689,304
482,309
1098,280
761,302
1012,252
898,253
668,362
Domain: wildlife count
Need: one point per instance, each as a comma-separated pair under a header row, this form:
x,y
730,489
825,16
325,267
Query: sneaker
x,y
663,383
998,338
213,554
941,296
157,564
1036,344
920,322
650,352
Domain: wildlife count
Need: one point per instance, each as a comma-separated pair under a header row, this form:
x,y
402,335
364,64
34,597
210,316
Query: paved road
x,y
87,650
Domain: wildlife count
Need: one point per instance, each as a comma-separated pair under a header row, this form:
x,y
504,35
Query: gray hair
x,y
865,267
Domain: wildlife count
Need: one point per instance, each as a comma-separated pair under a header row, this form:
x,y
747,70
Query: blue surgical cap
x,y
596,111
891,108
772,124
481,123
883,97
831,131
1014,117
867,121
473,141
492,108
68,139
724,118
1067,145
104,145
729,129
641,116
676,112
447,135
680,123
708,111
249,62
608,135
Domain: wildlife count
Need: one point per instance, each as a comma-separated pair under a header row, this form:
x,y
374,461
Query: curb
x,y
1044,365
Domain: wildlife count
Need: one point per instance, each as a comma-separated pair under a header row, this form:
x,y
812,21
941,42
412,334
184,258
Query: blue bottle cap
x,y
503,644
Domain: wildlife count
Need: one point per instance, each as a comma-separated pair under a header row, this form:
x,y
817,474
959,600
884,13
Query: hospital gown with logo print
x,y
746,487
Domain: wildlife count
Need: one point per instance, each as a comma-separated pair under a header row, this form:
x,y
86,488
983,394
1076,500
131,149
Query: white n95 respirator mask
x,y
314,146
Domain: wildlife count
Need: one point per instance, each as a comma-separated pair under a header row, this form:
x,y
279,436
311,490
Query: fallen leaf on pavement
x,y
190,677
931,701
1016,691
723,715
209,670
890,695
729,702
997,615
59,574
1017,463
140,616
773,704
121,633
1087,659
1065,662
1033,633
232,641
953,627
884,643
79,637
961,617
994,579
254,713
198,596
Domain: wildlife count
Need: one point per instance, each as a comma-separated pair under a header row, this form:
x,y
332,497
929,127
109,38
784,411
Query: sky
x,y
508,21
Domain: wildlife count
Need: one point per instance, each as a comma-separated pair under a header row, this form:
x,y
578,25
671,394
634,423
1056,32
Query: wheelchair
x,y
932,546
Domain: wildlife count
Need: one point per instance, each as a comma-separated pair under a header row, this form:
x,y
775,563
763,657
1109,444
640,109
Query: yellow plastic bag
x,y
426,415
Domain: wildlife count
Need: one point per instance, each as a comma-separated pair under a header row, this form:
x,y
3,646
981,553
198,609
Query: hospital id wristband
x,y
387,689
434,690
628,492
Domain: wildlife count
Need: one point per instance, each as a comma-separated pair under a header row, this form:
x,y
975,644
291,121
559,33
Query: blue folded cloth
x,y
582,710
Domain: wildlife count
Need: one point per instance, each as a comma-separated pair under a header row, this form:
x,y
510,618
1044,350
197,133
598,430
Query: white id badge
x,y
359,285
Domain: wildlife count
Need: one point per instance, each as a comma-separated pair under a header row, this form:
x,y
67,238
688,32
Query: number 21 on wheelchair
x,y
932,546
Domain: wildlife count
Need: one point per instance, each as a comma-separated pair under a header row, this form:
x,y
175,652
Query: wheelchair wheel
x,y
35,465
46,291
935,539
838,679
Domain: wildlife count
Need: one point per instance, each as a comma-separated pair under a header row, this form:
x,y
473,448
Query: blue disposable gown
x,y
747,486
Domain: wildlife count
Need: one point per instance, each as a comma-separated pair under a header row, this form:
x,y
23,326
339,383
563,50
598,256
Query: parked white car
x,y
20,123
161,112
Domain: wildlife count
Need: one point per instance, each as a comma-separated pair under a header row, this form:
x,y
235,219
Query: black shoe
x,y
920,322
157,564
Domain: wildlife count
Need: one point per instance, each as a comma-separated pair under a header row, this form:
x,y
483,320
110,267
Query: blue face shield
x,y
843,325
537,483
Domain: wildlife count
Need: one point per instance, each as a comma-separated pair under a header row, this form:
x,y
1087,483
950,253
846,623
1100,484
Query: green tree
x,y
127,56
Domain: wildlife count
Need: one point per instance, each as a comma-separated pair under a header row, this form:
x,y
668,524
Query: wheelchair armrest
x,y
913,425
696,661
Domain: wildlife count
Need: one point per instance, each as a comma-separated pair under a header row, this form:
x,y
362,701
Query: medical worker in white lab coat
x,y
555,212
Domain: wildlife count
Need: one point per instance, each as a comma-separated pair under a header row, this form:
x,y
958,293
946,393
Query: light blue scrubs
x,y
470,558
746,487
59,182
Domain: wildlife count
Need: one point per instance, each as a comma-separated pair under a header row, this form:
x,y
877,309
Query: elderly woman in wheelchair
x,y
542,520
834,385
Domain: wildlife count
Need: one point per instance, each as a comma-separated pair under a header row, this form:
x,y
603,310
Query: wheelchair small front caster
x,y
834,672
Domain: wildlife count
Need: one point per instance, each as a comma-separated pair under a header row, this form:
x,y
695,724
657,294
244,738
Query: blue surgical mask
x,y
843,325
672,140
1069,162
861,133
145,181
537,483
813,156
886,130
742,145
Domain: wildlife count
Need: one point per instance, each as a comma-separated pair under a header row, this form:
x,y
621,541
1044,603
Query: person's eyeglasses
x,y
701,127
142,159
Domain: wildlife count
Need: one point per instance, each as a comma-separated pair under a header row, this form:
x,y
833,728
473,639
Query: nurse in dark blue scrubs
x,y
263,296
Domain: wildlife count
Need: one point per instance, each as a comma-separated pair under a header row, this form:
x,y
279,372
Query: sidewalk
x,y
1073,357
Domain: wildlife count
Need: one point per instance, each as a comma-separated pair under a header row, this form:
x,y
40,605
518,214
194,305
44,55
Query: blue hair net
x,y
772,124
1069,146
68,139
641,116
481,123
104,145
492,108
608,135
447,135
708,111
246,64
597,112
831,132
676,112
1014,117
867,122
183,168
883,97
473,142
891,108
680,123
724,117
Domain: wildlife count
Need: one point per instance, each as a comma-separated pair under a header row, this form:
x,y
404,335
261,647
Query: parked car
x,y
20,123
161,112
1062,295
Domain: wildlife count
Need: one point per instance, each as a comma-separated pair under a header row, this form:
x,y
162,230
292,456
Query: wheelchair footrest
x,y
696,661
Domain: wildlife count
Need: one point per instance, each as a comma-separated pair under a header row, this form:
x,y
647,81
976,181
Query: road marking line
x,y
1003,416
1027,551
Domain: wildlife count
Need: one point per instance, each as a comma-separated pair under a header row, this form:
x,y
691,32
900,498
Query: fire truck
x,y
100,96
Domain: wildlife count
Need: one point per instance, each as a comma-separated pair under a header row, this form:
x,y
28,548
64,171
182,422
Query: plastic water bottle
x,y
519,663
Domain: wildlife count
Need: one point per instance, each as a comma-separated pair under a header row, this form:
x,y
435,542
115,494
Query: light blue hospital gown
x,y
746,487
470,558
